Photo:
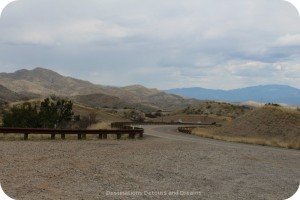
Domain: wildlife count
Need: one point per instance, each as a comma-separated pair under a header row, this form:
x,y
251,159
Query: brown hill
x,y
46,82
218,109
268,125
160,99
268,121
7,95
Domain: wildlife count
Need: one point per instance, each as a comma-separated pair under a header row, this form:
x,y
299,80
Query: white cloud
x,y
161,44
72,32
289,40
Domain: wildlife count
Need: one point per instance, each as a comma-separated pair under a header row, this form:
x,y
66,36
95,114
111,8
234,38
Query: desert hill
x,y
219,109
45,82
108,101
266,121
7,95
268,125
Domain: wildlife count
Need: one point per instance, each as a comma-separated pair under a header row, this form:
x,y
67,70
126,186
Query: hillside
x,y
268,125
7,95
107,101
219,109
263,93
45,82
161,99
94,100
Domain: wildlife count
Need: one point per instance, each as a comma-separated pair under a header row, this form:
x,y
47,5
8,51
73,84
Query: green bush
x,y
54,112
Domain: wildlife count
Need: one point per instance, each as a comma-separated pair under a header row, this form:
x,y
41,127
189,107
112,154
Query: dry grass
x,y
100,125
268,125
275,142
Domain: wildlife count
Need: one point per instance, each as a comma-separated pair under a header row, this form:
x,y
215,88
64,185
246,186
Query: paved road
x,y
240,171
170,132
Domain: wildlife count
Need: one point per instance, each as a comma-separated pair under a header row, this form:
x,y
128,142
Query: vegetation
x,y
272,104
23,116
217,109
156,114
53,112
87,121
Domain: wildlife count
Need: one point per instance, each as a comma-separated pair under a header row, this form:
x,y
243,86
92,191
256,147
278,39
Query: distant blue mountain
x,y
262,93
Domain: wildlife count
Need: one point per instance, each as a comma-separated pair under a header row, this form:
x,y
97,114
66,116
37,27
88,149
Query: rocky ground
x,y
151,168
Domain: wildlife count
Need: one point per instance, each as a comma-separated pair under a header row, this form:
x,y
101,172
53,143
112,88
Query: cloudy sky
x,y
222,44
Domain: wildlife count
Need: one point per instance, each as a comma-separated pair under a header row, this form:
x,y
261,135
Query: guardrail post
x,y
119,136
63,136
79,136
52,136
131,135
141,134
100,136
25,136
105,136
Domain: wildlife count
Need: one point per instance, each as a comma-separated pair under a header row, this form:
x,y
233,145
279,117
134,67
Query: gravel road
x,y
164,165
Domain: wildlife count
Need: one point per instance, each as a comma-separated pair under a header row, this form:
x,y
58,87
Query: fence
x,y
102,133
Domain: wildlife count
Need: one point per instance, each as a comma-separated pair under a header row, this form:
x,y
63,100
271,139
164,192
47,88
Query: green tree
x,y
56,112
24,116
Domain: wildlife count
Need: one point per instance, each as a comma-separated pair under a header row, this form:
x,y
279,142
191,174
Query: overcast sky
x,y
222,44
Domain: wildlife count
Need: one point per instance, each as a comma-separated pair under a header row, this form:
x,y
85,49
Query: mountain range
x,y
262,93
39,82
44,82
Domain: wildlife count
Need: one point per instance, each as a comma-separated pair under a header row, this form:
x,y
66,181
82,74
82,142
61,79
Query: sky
x,y
217,44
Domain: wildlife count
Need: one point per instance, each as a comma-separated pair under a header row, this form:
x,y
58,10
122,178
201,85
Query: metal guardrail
x,y
102,133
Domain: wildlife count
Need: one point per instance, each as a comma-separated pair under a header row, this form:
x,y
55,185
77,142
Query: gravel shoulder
x,y
171,166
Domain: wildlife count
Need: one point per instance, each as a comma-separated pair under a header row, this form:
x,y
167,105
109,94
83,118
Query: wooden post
x,y
141,134
105,136
100,136
79,136
131,135
52,136
63,136
119,136
25,136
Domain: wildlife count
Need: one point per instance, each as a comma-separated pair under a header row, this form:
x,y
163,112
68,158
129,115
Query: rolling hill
x,y
7,95
268,125
44,82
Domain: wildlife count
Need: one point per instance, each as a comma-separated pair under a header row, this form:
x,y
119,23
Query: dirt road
x,y
164,165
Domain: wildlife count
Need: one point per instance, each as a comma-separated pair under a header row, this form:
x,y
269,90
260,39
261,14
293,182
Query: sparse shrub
x,y
85,121
272,104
